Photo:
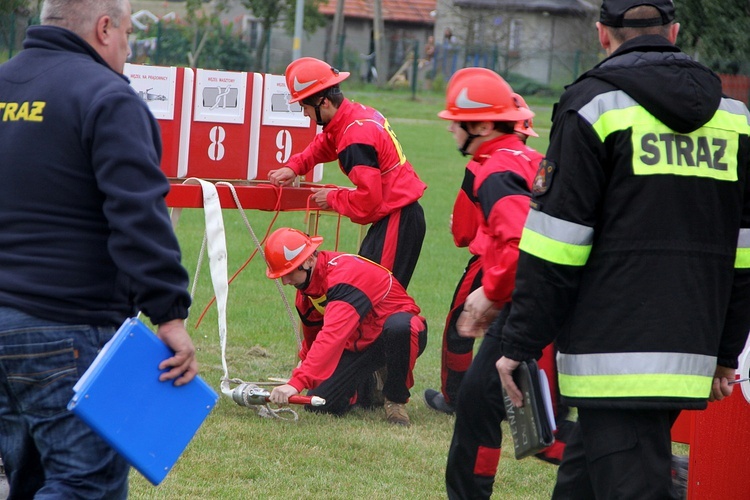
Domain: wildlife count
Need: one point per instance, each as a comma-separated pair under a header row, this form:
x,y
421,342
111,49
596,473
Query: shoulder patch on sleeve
x,y
544,176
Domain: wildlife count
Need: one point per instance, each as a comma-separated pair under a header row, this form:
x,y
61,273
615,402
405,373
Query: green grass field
x,y
237,454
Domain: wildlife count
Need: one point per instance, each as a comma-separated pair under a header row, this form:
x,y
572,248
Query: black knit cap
x,y
613,13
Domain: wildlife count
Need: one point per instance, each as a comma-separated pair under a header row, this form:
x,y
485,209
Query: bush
x,y
221,50
526,86
438,83
224,50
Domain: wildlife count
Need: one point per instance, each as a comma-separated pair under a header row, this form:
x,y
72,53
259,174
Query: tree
x,y
225,50
192,7
11,6
716,32
13,16
269,12
312,18
218,48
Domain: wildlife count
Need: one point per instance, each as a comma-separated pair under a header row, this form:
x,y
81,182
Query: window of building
x,y
515,37
251,31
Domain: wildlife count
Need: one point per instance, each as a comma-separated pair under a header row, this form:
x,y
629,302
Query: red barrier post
x,y
719,439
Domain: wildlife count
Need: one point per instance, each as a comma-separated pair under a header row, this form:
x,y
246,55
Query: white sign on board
x,y
156,86
277,110
220,96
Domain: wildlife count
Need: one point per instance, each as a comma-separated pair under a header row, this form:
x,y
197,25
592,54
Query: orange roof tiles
x,y
411,11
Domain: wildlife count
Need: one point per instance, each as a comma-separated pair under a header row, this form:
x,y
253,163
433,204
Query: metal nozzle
x,y
249,395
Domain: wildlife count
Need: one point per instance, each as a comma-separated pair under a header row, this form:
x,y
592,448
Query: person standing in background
x,y
484,114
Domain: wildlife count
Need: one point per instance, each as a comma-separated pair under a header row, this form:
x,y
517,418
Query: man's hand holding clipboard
x,y
528,406
505,368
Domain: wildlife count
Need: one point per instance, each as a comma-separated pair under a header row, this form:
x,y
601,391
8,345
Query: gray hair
x,y
80,16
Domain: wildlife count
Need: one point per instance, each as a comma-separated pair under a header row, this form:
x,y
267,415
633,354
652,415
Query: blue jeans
x,y
47,451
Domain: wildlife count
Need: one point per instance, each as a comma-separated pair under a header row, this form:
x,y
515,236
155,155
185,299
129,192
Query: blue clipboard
x,y
121,398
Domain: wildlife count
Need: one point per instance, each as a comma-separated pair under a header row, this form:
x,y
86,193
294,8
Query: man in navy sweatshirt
x,y
86,242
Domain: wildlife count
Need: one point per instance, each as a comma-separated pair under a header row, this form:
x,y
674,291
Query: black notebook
x,y
531,425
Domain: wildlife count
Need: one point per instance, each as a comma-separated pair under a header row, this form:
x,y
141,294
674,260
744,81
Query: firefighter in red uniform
x,y
457,351
368,322
484,114
387,188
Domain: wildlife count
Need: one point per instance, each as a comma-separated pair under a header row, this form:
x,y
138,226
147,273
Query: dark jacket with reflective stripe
x,y
630,255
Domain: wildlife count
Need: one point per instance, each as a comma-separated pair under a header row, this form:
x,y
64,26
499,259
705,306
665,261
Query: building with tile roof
x,y
549,41
394,11
407,24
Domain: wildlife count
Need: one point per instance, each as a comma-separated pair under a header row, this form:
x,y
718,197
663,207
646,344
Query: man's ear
x,y
604,40
486,128
328,104
310,261
673,31
103,25
480,128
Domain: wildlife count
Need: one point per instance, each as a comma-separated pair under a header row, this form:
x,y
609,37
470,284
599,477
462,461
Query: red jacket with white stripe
x,y
504,170
344,307
361,139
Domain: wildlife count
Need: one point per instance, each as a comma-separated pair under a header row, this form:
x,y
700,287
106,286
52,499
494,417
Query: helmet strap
x,y
306,283
469,139
318,118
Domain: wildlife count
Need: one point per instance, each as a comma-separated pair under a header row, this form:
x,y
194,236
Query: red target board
x,y
223,125
168,92
222,121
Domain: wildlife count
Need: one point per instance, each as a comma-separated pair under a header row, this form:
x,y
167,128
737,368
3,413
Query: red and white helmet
x,y
286,249
524,126
479,94
307,76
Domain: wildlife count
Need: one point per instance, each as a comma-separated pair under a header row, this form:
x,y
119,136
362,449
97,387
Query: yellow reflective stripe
x,y
556,240
396,143
709,152
635,374
616,119
636,363
635,386
387,127
727,119
742,260
552,250
614,111
333,261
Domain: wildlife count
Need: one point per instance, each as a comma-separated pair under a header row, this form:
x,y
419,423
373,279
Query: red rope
x,y
338,222
276,209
